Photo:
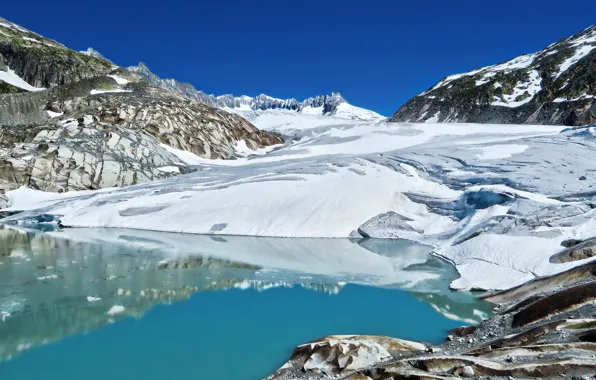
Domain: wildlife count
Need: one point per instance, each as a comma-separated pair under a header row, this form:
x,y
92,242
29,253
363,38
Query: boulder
x,y
576,251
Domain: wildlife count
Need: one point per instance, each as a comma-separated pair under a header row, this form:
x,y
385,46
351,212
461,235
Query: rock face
x,y
98,125
554,86
42,62
326,105
543,329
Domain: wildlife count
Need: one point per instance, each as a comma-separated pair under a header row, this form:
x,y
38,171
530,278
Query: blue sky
x,y
378,54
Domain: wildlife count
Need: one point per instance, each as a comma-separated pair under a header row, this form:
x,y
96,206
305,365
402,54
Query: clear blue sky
x,y
378,54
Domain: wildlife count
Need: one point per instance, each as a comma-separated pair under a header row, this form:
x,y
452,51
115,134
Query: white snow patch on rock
x,y
13,79
115,90
119,80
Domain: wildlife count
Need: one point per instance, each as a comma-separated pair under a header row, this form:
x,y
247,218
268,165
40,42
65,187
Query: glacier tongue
x,y
504,214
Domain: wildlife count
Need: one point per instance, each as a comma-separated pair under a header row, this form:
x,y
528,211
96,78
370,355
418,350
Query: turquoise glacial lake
x,y
120,304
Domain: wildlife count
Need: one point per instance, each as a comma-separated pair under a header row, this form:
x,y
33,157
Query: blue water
x,y
226,329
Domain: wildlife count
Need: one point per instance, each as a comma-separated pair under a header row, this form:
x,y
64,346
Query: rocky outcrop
x,y
543,329
97,125
554,86
577,250
110,137
42,62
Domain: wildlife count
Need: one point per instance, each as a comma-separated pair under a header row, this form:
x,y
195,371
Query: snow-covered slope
x,y
322,105
8,76
464,188
553,86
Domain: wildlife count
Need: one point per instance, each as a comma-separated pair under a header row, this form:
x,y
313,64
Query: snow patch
x,y
116,90
119,80
53,114
13,79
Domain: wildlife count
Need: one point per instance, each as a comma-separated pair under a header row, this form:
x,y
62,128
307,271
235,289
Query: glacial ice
x,y
503,213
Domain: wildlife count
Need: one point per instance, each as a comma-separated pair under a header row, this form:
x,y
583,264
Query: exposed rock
x,y
570,243
554,86
546,329
42,62
578,251
90,130
339,354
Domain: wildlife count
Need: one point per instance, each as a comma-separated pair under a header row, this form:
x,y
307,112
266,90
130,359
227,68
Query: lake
x,y
124,304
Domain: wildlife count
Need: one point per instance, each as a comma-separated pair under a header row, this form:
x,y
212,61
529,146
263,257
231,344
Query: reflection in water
x,y
57,284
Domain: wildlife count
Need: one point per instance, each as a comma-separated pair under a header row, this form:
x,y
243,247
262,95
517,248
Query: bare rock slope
x,y
72,121
556,85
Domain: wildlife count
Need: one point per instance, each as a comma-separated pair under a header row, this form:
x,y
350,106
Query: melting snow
x,y
31,39
119,80
116,90
53,114
582,97
532,87
13,79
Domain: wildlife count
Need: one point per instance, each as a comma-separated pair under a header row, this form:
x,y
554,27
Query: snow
x,y
582,97
116,90
53,114
188,158
456,186
580,53
531,87
116,309
584,46
31,39
488,72
499,151
434,119
119,80
312,110
13,79
348,111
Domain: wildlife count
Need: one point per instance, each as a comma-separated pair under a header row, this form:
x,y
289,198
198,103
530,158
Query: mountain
x,y
75,121
93,53
556,85
29,61
324,105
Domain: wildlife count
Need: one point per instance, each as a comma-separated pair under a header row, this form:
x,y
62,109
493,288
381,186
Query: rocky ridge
x,y
556,85
97,125
542,329
325,105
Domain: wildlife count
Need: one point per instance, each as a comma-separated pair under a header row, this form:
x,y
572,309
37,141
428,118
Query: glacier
x,y
491,199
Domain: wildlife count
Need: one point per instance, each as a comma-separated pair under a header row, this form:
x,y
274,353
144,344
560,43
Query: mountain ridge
x,y
555,85
325,105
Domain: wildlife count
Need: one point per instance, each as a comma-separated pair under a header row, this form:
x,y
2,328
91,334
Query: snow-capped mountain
x,y
556,85
92,53
323,105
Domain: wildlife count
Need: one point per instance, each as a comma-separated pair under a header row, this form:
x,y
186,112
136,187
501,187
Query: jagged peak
x,y
92,53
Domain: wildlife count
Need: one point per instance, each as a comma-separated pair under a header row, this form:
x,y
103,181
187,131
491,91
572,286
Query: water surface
x,y
203,307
